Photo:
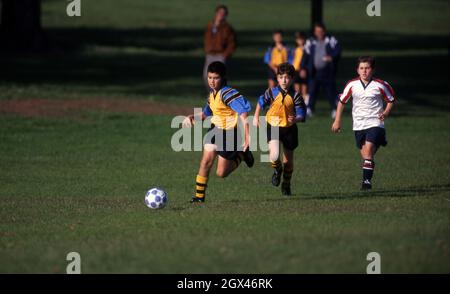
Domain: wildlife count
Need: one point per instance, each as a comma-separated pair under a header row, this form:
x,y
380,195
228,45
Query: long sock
x,y
276,164
287,175
238,159
368,166
200,186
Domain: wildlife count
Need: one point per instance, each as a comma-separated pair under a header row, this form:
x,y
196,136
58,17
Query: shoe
x,y
309,112
286,190
333,114
248,158
197,200
276,177
366,185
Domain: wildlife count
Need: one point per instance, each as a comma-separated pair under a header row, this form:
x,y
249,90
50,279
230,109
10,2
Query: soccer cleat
x,y
366,185
286,190
197,200
276,177
248,158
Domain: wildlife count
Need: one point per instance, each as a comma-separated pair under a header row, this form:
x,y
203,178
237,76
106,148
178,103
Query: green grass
x,y
78,183
79,186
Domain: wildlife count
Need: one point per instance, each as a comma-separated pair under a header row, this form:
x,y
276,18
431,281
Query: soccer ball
x,y
156,198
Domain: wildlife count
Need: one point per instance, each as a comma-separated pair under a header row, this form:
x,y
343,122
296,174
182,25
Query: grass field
x,y
76,182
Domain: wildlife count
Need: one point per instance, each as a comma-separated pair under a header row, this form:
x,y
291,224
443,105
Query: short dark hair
x,y
320,25
286,68
277,32
224,7
218,68
300,35
366,59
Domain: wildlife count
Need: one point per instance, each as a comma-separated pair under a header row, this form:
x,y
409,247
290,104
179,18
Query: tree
x,y
316,12
20,25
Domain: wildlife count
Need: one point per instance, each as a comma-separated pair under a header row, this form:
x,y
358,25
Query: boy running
x,y
368,114
226,106
285,109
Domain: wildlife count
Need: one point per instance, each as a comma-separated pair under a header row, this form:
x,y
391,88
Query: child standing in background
x,y
300,84
275,55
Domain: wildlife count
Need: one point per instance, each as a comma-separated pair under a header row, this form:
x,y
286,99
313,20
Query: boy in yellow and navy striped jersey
x,y
226,106
285,109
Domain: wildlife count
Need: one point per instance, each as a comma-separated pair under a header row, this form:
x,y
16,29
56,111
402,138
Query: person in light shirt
x,y
369,95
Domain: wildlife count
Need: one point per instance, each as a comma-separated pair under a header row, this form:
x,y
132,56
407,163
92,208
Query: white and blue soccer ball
x,y
156,198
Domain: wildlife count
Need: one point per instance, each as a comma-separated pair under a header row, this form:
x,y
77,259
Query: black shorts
x,y
271,75
287,135
221,137
299,80
375,135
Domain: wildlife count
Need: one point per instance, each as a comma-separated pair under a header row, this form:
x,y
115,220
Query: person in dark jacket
x,y
319,63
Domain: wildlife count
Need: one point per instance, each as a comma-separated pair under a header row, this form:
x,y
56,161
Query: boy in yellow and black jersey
x,y
226,106
284,109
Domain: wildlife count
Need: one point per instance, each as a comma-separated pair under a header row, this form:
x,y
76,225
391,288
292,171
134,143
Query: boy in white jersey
x,y
368,114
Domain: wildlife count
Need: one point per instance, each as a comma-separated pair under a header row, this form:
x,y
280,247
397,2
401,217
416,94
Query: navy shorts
x,y
375,135
287,135
271,75
226,149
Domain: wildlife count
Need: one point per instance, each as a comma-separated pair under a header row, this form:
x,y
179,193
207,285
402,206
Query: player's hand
x,y
246,144
291,119
327,58
383,116
336,127
188,121
303,74
256,121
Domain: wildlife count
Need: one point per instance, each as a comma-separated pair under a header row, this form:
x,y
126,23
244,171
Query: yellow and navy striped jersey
x,y
225,106
277,56
282,104
298,54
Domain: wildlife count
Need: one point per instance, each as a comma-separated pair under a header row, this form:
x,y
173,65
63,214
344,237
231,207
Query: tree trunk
x,y
316,12
21,25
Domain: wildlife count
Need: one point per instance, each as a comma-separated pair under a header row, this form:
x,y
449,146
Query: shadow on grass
x,y
167,67
413,191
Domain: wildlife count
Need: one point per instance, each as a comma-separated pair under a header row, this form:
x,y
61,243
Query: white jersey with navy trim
x,y
367,102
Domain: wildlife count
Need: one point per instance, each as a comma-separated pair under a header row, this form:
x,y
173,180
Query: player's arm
x,y
300,110
389,96
386,111
238,103
336,126
243,117
190,119
343,98
263,101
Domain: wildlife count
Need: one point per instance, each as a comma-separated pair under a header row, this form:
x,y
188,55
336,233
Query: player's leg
x,y
288,168
313,91
330,88
271,83
227,166
297,87
304,92
206,163
368,150
274,156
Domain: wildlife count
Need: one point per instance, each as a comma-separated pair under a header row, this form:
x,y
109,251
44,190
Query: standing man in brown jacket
x,y
219,39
